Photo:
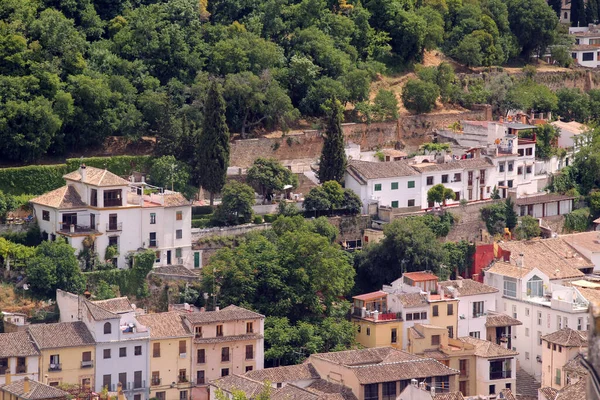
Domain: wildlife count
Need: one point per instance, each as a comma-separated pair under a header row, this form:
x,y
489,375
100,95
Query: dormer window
x,y
535,287
112,198
107,328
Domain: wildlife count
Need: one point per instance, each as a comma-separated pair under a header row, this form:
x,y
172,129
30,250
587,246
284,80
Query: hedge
x,y
38,179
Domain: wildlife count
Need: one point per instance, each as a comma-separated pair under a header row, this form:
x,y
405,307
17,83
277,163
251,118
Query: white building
x,y
531,282
115,212
122,342
587,45
475,300
19,357
571,134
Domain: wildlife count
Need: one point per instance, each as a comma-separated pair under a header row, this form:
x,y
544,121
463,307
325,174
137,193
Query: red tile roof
x,y
371,296
420,276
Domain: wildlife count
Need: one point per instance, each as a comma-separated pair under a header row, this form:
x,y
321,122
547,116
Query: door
x,y
168,257
69,219
112,222
196,260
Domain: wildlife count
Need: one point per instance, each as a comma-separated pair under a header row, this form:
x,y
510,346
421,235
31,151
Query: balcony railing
x,y
500,374
152,242
135,385
55,367
155,381
113,202
114,227
182,379
73,228
87,364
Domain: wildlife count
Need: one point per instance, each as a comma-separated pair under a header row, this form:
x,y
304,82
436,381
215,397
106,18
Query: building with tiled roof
x,y
19,356
420,391
171,355
67,352
28,389
547,393
118,305
576,390
116,212
286,374
560,349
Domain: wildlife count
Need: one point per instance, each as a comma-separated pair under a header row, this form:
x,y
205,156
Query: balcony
x,y
67,228
55,367
182,379
155,381
500,374
182,355
87,364
114,227
136,385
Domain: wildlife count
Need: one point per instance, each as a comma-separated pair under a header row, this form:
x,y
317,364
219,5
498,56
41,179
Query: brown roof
x,y
371,296
165,325
487,349
373,355
410,300
175,200
235,382
117,305
37,390
494,320
568,337
223,339
574,391
467,287
293,392
543,198
230,313
435,354
548,392
584,47
17,344
575,366
365,170
507,269
98,312
588,240
175,270
331,390
469,163
449,396
420,276
289,373
97,177
591,295
64,197
507,394
61,334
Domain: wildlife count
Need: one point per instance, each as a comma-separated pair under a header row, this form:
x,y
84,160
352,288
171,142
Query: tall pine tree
x,y
212,153
332,164
591,11
578,13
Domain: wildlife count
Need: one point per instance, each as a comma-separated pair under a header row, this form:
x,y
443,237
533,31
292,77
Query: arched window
x,y
535,287
107,328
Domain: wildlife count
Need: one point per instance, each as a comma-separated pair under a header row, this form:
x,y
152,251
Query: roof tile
x,y
61,334
64,197
487,349
37,391
165,325
568,337
467,287
97,177
17,344
230,313
289,373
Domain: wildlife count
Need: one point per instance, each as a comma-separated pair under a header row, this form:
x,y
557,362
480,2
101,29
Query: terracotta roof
x,y
223,339
37,390
548,392
373,355
365,170
99,313
64,197
371,296
61,334
575,366
526,385
165,325
584,47
568,337
573,126
420,276
469,163
293,392
175,200
574,391
17,344
235,382
230,313
330,390
411,300
591,295
416,332
117,305
467,287
507,394
487,349
588,240
175,270
494,320
289,373
435,354
449,396
507,269
97,177
543,198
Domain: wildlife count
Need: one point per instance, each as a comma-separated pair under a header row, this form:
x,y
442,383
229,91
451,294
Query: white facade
x,y
587,45
117,213
490,384
32,367
472,322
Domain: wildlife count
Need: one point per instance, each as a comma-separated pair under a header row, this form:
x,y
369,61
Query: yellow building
x,y
170,356
375,326
559,348
67,352
27,389
444,312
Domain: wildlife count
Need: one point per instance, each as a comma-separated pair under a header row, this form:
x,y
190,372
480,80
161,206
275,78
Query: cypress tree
x,y
332,164
212,153
591,11
578,13
556,6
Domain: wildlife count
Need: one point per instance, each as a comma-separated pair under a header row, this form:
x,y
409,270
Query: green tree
x,y
510,215
169,173
595,204
332,164
439,194
331,196
546,141
494,217
420,97
213,147
529,228
533,23
236,205
573,105
459,256
385,106
578,17
269,175
104,291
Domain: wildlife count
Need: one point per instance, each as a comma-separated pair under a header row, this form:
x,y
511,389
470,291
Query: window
x,y
528,169
94,198
182,347
200,377
566,321
508,385
388,390
225,354
156,350
539,318
557,377
371,392
411,184
587,57
529,152
179,215
527,355
178,252
249,368
521,152
394,185
560,349
539,338
475,334
178,233
161,395
224,371
527,312
249,327
153,218
378,187
183,395
527,332
368,331
579,323
510,287
198,331
444,178
408,316
219,330
106,382
501,167
510,166
463,366
423,315
106,353
123,352
137,379
558,323
514,311
358,329
112,198
137,351
435,340
394,338
470,194
429,180
456,196
492,389
86,356
137,397
155,378
107,328
201,356
450,309
411,203
519,170
249,352
510,183
46,215
435,311
182,375
123,379
457,177
86,383
395,204
450,332
477,309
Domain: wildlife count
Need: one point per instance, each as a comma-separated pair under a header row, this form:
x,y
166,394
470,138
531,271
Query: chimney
x,y
46,379
501,119
433,392
82,172
26,385
375,315
520,261
414,382
7,378
217,308
422,385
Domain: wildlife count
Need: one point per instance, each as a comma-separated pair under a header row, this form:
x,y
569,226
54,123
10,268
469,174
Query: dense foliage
x,y
331,196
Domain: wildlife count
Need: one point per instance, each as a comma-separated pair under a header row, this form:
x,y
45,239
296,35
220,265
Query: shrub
x,y
419,97
201,223
201,210
270,218
257,219
578,220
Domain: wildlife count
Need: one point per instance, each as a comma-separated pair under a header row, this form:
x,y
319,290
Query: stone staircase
x,y
527,386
